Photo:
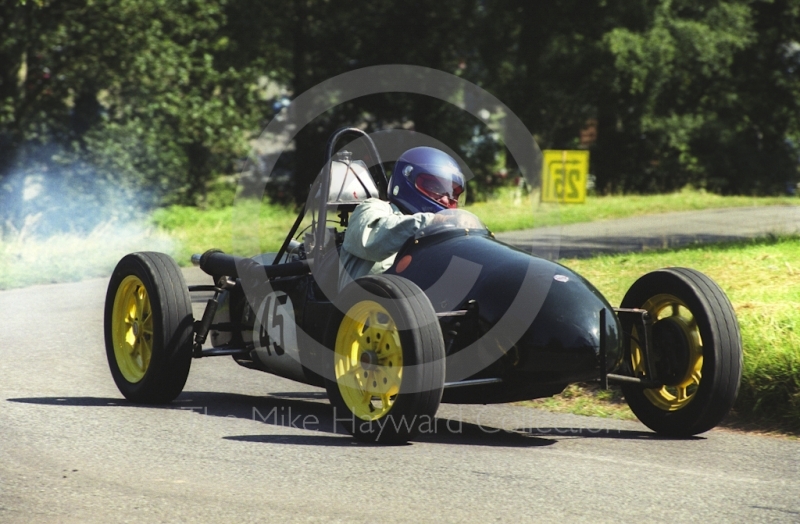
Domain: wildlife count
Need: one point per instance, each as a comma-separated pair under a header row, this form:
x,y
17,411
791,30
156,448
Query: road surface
x,y
656,231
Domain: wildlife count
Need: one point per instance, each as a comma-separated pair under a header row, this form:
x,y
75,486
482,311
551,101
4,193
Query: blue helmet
x,y
426,179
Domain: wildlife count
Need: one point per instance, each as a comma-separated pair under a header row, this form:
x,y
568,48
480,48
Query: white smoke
x,y
59,225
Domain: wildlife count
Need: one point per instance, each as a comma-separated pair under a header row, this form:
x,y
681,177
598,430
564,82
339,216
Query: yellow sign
x,y
564,175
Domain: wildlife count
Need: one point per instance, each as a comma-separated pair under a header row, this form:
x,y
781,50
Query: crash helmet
x,y
426,179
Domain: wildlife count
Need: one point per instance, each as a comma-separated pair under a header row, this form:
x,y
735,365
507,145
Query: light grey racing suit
x,y
375,232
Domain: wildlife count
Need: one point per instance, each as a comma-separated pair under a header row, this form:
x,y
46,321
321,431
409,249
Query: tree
x,y
753,144
142,91
684,92
320,39
676,77
162,95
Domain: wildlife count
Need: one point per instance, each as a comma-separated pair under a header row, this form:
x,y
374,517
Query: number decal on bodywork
x,y
274,327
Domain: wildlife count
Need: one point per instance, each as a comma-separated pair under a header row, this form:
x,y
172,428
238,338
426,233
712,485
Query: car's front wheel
x,y
696,352
387,359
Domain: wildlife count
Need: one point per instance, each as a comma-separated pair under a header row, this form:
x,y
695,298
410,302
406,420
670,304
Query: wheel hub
x,y
672,341
369,360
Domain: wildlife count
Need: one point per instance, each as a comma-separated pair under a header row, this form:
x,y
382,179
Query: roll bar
x,y
325,186
318,228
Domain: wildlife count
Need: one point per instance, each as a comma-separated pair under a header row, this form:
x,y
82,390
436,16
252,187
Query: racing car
x,y
460,317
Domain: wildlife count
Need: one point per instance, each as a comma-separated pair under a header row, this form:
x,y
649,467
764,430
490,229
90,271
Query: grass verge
x,y
26,258
246,229
196,230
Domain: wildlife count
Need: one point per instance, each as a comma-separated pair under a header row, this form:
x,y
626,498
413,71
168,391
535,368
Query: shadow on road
x,y
617,434
311,414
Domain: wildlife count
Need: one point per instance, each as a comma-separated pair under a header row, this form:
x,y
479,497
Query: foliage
x,y
688,73
683,92
162,96
140,90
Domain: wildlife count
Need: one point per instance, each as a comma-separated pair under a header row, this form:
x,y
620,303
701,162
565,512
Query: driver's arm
x,y
376,231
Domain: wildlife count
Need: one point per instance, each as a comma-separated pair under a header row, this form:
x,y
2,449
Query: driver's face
x,y
446,192
447,202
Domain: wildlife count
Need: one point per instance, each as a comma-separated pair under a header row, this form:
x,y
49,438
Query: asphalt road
x,y
243,446
657,231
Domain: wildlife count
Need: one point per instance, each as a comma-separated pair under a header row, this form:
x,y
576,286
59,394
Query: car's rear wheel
x,y
387,359
696,352
148,328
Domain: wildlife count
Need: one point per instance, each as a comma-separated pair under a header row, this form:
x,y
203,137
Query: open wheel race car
x,y
459,317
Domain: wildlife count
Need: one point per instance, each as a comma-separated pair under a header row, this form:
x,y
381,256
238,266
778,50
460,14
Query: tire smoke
x,y
68,223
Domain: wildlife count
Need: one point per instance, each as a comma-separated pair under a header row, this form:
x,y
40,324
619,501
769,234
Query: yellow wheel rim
x,y
132,329
677,396
368,360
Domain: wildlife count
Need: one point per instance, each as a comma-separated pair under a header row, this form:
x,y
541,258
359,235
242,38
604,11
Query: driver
x,y
424,181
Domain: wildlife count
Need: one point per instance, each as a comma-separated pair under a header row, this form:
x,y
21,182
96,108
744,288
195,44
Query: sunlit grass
x,y
245,229
250,228
587,400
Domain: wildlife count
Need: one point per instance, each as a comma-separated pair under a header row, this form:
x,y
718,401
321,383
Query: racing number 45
x,y
275,327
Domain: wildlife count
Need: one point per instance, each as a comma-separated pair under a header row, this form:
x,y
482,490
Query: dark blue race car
x,y
460,317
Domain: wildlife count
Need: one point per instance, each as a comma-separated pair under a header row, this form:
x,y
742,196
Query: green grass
x,y
250,228
762,280
262,228
588,400
246,229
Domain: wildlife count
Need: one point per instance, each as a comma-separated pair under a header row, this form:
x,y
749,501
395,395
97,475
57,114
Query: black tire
x,y
148,328
697,352
389,383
